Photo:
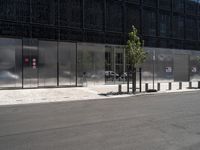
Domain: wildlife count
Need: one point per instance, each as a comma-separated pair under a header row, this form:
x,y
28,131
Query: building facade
x,y
53,43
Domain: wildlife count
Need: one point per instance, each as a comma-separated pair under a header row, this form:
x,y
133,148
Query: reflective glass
x,y
191,6
91,64
94,14
178,26
44,11
151,3
17,10
70,13
114,15
133,17
30,63
47,63
149,22
67,64
165,24
165,4
178,5
10,64
191,29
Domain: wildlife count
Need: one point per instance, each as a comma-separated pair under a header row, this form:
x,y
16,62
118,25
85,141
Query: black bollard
x,y
158,86
198,84
120,89
170,86
190,85
180,85
146,87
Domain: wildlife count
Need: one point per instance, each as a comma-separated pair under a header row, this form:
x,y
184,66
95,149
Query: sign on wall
x,y
168,69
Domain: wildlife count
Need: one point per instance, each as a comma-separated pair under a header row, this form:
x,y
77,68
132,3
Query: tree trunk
x,y
133,80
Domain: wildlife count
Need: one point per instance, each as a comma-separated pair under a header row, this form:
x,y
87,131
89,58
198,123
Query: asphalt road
x,y
160,122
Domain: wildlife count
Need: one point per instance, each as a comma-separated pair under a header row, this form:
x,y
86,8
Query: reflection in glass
x,y
67,64
10,64
91,64
178,26
47,63
149,25
165,24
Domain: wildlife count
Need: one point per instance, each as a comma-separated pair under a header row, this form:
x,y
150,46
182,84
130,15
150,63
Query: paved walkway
x,y
28,96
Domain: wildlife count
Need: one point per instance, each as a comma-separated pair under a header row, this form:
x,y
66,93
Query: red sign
x,y
26,60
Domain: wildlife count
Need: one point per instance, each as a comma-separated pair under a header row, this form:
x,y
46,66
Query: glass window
x,y
94,14
165,4
13,29
91,36
150,42
17,10
190,45
177,44
72,35
114,38
133,17
178,5
149,22
70,13
151,3
178,26
44,11
199,27
165,43
114,15
191,6
133,1
165,24
44,32
191,29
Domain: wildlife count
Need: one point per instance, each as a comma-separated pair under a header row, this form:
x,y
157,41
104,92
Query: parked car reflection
x,y
6,75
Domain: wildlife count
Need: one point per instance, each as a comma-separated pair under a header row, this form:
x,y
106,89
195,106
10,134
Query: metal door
x,y
30,63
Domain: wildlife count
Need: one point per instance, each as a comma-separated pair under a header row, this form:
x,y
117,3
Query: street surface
x,y
150,122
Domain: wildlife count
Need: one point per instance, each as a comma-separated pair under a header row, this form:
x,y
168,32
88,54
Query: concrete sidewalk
x,y
29,96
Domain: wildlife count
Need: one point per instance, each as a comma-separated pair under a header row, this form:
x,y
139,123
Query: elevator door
x,y
30,63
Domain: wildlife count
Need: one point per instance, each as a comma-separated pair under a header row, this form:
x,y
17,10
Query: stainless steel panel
x,y
47,63
148,66
181,67
195,66
91,64
30,57
164,65
10,63
67,64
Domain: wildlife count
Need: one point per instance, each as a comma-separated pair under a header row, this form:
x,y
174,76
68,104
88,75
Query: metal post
x,y
140,71
119,88
146,87
170,86
154,58
158,87
180,85
128,81
190,85
198,84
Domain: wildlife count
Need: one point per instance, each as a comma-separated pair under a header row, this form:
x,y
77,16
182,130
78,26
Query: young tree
x,y
135,55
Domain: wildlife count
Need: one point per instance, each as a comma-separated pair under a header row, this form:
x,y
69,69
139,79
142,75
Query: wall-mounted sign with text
x,y
168,69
